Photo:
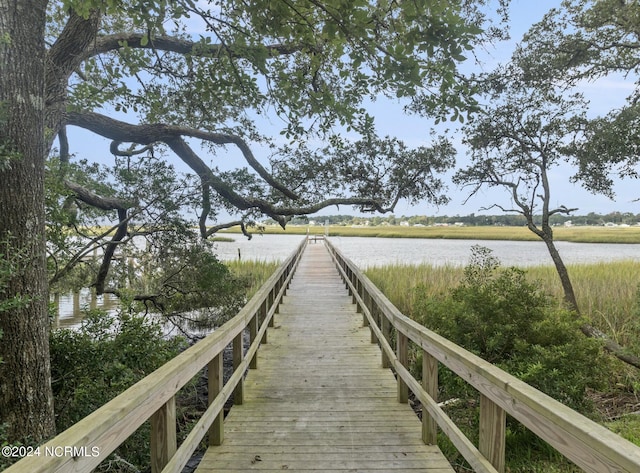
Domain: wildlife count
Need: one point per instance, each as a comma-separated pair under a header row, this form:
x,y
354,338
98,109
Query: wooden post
x,y
238,354
163,435
276,290
368,302
385,327
430,385
216,383
402,352
288,282
263,315
493,426
358,286
270,300
253,333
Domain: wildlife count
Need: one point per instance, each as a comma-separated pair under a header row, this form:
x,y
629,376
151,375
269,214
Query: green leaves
x,y
501,316
101,359
589,40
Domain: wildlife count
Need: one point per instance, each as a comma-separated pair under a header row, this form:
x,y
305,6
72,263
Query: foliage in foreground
x,y
104,357
109,353
499,315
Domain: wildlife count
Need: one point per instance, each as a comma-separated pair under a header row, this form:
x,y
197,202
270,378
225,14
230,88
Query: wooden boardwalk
x,y
320,400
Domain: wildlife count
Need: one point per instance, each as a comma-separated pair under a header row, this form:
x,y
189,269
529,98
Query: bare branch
x,y
116,151
215,229
110,250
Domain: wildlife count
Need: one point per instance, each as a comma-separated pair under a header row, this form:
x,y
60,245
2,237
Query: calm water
x,y
367,252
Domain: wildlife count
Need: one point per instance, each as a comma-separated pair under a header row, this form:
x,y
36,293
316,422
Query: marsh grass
x,y
607,292
253,273
398,282
586,234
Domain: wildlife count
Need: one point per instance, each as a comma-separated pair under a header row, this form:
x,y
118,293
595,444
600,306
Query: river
x,y
368,252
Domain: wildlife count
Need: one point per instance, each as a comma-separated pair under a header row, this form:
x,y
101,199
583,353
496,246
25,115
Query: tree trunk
x,y
26,400
570,299
561,269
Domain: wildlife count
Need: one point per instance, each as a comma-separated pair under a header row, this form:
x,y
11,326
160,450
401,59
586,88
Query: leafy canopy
x,y
587,40
183,84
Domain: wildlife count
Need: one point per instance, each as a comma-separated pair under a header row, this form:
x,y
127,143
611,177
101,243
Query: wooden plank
x,y
430,385
215,382
493,427
163,435
321,399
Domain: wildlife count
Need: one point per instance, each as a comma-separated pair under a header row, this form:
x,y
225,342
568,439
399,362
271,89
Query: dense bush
x,y
94,364
501,317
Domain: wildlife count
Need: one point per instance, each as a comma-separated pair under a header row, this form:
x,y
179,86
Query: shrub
x,y
501,317
103,358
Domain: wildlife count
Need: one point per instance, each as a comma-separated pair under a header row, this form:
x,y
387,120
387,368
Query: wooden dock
x,y
320,399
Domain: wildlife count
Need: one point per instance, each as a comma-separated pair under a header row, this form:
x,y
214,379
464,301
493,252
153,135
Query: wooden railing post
x,y
402,353
270,300
253,333
430,385
276,290
385,327
215,374
368,302
493,426
163,435
263,315
238,354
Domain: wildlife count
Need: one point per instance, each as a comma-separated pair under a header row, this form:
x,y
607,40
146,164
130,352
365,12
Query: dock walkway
x,y
320,400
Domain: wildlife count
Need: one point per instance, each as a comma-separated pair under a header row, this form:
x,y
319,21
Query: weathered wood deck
x,y
320,399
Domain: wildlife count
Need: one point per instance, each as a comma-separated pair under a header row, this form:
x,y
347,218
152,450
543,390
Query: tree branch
x,y
172,136
215,229
93,199
148,134
173,44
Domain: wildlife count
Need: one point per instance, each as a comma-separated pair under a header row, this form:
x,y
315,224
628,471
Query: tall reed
x,y
586,234
253,273
607,293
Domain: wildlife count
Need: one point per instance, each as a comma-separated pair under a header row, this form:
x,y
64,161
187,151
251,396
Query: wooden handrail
x,y
92,439
589,445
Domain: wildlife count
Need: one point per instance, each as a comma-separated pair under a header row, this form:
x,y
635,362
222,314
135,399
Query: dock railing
x,y
87,443
589,445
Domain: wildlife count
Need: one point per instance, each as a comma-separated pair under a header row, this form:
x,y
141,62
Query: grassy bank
x,y
607,292
253,273
573,234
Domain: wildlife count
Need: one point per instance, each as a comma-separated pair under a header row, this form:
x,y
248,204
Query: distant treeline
x,y
617,218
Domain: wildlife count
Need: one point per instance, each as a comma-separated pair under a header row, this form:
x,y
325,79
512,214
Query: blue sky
x,y
604,94
414,131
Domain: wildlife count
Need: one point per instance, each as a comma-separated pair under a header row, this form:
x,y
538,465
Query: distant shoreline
x,y
576,234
